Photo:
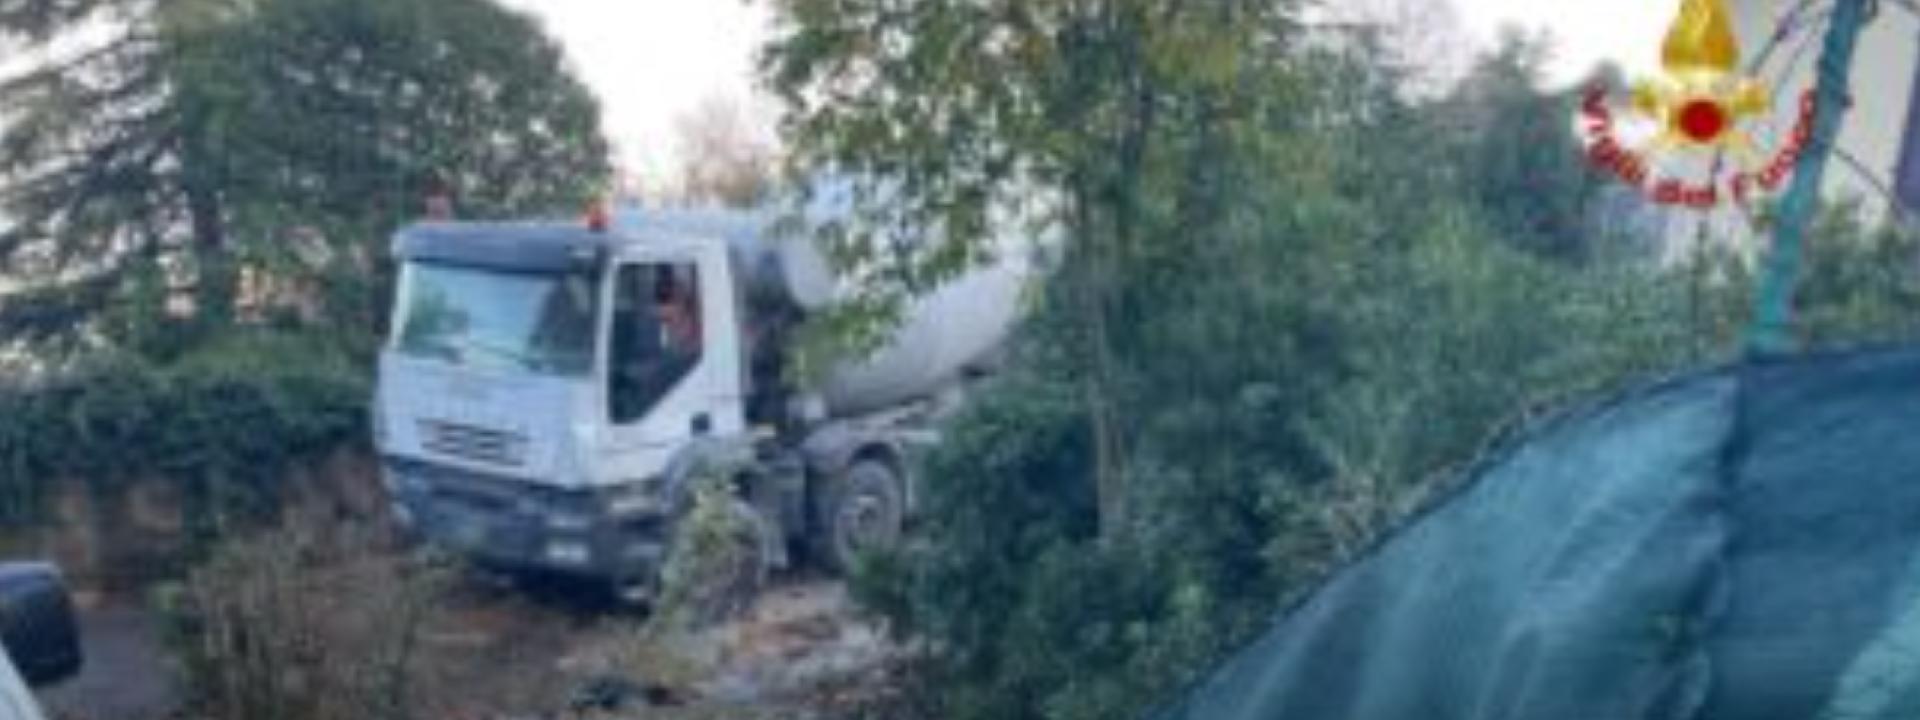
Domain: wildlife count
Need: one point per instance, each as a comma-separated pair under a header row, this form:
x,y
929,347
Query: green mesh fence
x,y
1739,545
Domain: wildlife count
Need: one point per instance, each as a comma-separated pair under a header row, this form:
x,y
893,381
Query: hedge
x,y
226,423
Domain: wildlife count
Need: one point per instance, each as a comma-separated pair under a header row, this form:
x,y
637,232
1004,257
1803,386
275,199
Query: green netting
x,y
1740,544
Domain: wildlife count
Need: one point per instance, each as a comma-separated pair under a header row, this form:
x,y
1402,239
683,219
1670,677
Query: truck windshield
x,y
491,319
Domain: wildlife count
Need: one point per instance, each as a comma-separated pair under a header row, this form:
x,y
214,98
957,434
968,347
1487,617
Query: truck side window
x,y
656,340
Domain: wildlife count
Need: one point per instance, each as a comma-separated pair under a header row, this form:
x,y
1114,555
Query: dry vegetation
x,y
324,619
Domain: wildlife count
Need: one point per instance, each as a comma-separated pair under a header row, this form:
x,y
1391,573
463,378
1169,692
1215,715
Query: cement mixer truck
x,y
549,390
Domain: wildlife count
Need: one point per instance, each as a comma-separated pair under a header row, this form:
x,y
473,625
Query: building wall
x,y
1876,128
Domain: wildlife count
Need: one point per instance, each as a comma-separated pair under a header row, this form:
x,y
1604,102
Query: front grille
x,y
468,442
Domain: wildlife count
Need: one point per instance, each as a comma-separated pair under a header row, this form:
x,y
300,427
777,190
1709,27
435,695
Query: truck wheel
x,y
864,510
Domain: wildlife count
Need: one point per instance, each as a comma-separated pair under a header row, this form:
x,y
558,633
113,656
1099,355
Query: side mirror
x,y
37,624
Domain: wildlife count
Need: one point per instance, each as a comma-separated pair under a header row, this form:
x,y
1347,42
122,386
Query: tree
x,y
1105,117
724,160
1423,41
202,135
1514,146
1281,312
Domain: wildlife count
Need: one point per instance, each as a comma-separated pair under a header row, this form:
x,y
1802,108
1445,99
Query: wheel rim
x,y
868,517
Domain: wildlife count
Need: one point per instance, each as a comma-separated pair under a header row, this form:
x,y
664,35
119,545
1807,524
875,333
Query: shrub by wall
x,y
223,425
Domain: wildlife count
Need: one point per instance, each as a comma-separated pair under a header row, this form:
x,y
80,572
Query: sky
x,y
1585,32
654,61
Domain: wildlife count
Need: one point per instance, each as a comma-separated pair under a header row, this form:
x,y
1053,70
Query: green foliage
x,y
1291,300
718,560
955,115
1862,281
1510,146
1288,304
1241,497
1282,422
225,423
286,137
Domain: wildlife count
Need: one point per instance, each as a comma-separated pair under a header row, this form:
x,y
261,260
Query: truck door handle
x,y
702,424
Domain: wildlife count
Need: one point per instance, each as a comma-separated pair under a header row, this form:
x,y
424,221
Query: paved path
x,y
125,676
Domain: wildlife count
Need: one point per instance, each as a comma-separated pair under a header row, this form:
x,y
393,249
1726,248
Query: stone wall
x,y
111,542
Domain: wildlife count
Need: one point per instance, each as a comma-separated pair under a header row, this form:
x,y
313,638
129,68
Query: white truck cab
x,y
547,389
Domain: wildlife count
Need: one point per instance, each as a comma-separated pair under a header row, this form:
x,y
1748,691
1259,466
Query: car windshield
x,y
498,320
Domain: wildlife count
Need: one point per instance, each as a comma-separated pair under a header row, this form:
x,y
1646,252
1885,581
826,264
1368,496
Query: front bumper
x,y
519,525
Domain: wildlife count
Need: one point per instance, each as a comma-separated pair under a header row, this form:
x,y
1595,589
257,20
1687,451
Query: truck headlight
x,y
646,497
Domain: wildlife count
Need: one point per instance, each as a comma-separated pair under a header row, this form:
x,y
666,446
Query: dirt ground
x,y
543,650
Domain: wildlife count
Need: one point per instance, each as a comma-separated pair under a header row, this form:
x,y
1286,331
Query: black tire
x,y
861,510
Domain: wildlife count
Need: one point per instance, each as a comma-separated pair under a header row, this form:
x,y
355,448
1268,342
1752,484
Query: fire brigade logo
x,y
1703,105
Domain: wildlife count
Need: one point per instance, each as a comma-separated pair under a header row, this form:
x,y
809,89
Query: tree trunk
x,y
215,277
1109,449
1094,295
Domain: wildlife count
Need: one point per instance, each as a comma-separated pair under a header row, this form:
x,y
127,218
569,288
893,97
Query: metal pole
x,y
1772,330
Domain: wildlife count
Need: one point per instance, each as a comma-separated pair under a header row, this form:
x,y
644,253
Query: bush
x,y
225,423
1266,444
1272,436
313,621
1862,281
718,561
